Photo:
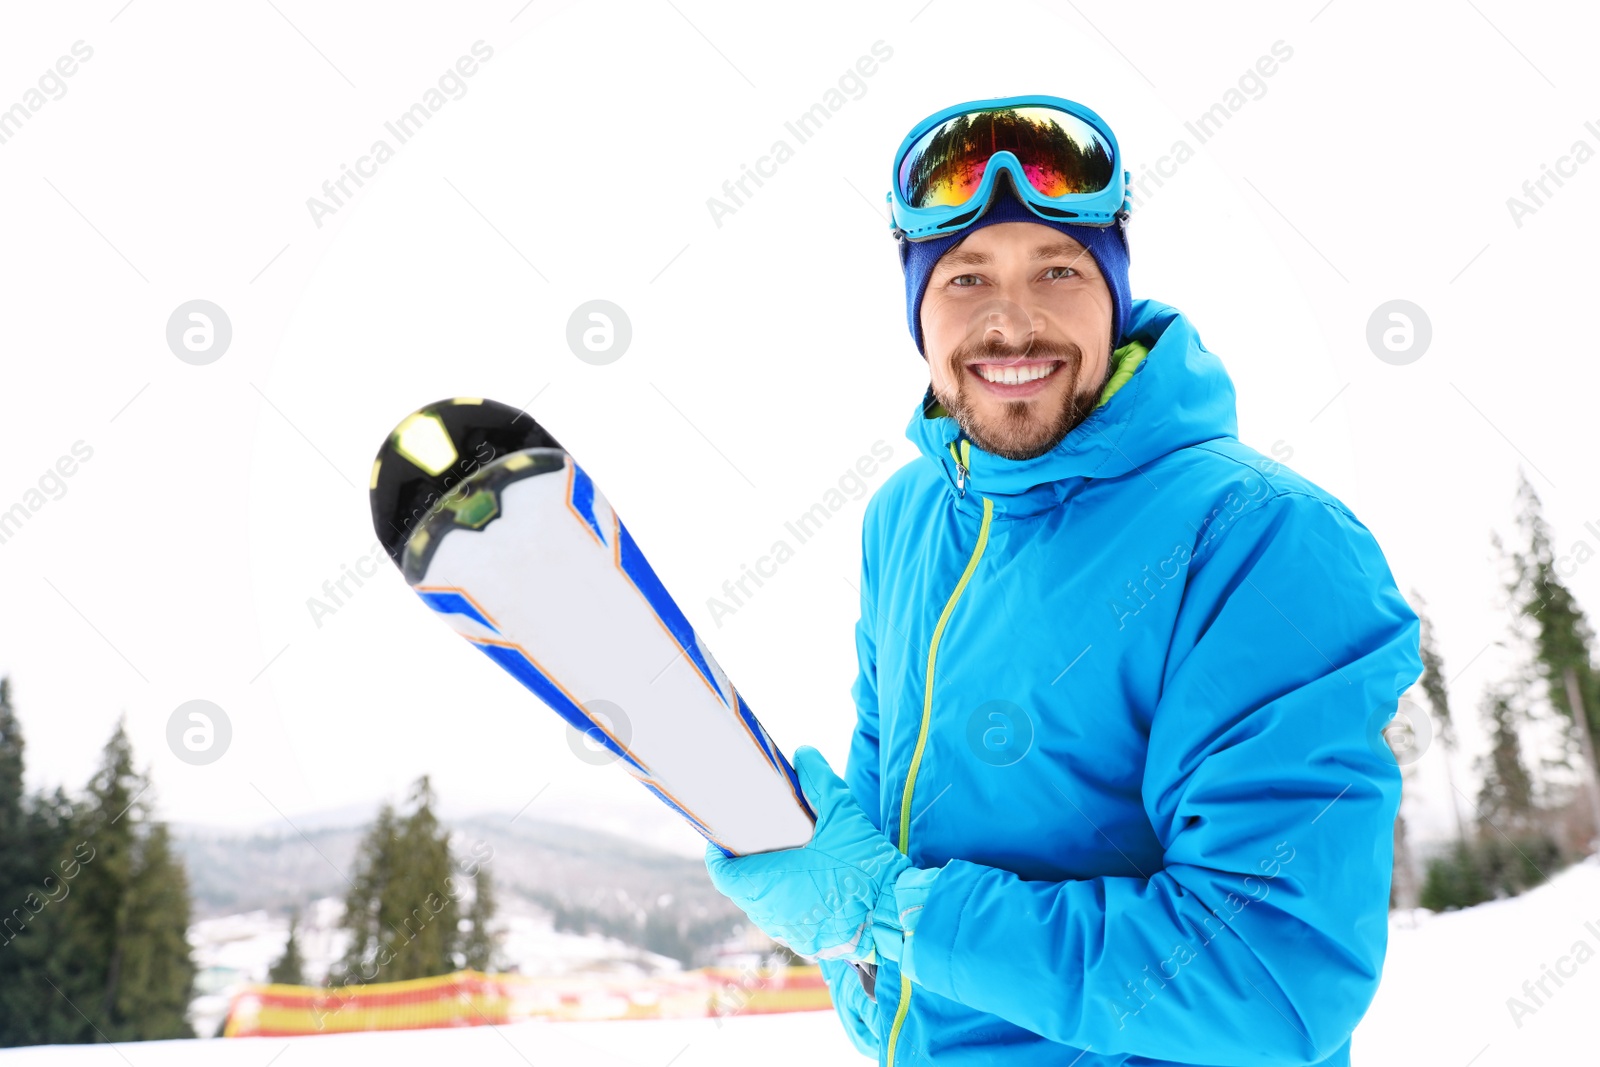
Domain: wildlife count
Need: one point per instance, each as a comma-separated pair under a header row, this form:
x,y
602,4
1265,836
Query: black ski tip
x,y
434,449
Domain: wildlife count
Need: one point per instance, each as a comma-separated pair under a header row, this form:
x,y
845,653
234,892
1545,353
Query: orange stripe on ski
x,y
565,691
705,827
753,738
572,467
464,595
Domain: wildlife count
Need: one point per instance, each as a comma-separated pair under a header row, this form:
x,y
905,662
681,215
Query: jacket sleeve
x,y
1261,937
857,1011
861,770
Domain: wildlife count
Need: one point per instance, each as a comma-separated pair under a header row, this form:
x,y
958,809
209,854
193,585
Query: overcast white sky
x,y
768,353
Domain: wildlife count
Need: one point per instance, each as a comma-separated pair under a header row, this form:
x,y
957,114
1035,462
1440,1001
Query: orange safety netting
x,y
472,998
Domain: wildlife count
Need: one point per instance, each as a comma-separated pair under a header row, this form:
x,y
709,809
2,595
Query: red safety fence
x,y
472,998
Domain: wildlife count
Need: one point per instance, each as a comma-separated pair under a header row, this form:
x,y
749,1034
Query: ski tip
x,y
425,462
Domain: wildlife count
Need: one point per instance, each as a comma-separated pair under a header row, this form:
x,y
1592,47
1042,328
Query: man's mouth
x,y
1015,372
1015,379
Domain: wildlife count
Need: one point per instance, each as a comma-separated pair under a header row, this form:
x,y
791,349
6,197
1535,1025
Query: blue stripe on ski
x,y
637,568
522,669
456,604
794,784
705,831
583,499
775,757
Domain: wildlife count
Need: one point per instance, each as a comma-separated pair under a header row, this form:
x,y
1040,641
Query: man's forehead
x,y
977,248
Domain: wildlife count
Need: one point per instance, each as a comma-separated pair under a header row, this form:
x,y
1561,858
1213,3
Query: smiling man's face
x,y
1016,322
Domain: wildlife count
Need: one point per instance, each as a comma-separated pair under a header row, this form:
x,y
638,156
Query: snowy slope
x,y
1443,1001
807,1038
1446,983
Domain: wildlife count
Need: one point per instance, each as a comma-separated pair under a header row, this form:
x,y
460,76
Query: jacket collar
x,y
1166,391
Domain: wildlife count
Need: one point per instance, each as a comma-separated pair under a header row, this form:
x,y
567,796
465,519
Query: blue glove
x,y
832,898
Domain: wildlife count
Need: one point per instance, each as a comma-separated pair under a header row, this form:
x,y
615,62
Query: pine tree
x,y
21,906
156,979
480,945
289,968
1403,889
423,908
1505,802
1562,636
125,968
17,861
1433,684
1401,739
374,859
96,949
32,1012
91,966
401,910
14,859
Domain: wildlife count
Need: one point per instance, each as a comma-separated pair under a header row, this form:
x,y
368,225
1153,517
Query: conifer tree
x,y
1505,800
289,968
1562,636
17,861
480,944
125,966
31,1011
22,903
14,858
401,911
1433,684
375,857
156,976
96,946
1403,889
423,907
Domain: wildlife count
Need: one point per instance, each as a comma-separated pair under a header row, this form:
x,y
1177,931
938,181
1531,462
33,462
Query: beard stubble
x,y
1021,430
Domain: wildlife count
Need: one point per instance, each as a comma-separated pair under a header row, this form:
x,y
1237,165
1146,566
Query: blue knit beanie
x,y
1107,244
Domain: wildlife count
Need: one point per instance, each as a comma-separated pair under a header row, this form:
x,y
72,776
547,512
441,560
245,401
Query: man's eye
x,y
961,281
1069,270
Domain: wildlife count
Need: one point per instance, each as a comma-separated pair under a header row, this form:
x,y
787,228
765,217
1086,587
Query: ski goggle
x,y
1062,159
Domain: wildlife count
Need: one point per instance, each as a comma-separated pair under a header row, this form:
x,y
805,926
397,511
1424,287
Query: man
x,y
1118,792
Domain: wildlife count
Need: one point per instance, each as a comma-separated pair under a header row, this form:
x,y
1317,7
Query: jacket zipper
x,y
927,714
962,461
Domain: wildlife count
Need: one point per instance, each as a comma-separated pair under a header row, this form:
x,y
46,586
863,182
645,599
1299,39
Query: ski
x,y
510,542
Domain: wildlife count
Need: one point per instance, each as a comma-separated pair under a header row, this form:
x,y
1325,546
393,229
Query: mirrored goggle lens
x,y
1060,153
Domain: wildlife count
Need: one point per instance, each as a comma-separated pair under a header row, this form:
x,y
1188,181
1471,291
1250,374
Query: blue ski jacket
x,y
1128,697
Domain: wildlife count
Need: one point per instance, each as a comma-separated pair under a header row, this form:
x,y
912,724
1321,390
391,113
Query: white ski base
x,y
554,590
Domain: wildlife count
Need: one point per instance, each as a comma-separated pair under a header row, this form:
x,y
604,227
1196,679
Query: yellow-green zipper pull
x,y
962,461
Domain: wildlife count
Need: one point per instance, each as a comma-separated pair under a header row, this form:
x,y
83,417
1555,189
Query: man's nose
x,y
1003,321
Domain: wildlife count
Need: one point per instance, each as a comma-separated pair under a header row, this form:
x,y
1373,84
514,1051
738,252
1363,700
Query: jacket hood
x,y
1166,392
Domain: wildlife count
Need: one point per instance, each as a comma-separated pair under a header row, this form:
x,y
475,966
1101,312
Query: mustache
x,y
979,352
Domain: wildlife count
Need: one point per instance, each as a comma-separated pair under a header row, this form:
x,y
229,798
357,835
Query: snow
x,y
1447,981
808,1038
1444,1000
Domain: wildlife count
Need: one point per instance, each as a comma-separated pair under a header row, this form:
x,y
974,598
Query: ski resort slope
x,y
1443,1001
1447,981
808,1037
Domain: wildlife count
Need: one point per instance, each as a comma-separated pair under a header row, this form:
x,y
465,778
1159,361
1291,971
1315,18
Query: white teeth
x,y
1016,375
